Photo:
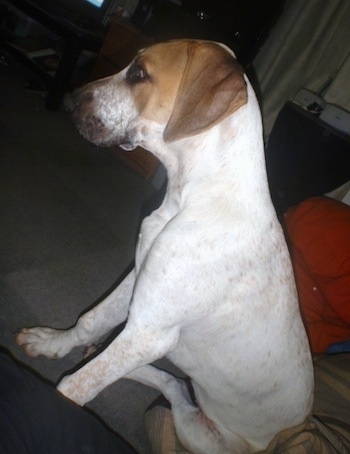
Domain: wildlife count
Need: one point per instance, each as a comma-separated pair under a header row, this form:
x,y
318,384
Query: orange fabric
x,y
318,231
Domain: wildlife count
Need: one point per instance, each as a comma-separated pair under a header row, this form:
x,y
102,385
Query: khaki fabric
x,y
312,437
329,433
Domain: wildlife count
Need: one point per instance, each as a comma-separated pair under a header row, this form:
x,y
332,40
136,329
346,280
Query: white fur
x,y
212,289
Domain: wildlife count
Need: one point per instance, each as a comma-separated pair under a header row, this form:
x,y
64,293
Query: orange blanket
x,y
318,231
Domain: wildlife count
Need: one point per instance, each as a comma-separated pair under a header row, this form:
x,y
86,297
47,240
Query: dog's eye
x,y
136,73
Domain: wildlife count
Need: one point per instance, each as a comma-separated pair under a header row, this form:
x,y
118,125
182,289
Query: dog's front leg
x,y
134,347
55,343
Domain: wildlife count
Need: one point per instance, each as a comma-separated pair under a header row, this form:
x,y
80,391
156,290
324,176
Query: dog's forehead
x,y
165,57
174,55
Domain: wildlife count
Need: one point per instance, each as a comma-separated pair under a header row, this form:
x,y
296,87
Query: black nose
x,y
70,102
79,99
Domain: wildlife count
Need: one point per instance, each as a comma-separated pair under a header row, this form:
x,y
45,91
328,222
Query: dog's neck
x,y
238,162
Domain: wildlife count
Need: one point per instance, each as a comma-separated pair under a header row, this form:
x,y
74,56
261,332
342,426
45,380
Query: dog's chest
x,y
153,225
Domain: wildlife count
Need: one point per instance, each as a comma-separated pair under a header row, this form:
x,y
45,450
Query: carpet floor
x,y
70,214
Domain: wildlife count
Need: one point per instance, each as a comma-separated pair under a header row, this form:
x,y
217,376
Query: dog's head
x,y
169,91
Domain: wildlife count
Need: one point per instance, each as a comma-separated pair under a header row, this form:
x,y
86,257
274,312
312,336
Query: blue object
x,y
339,347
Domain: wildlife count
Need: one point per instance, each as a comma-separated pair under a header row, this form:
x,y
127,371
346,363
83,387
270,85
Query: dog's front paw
x,y
42,341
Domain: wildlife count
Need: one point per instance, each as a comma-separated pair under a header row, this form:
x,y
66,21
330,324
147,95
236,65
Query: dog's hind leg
x,y
197,433
55,343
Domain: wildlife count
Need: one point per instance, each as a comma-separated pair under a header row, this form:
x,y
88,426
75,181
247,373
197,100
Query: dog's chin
x,y
124,143
104,140
127,146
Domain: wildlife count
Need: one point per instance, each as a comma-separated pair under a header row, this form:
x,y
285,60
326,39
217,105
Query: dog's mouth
x,y
93,129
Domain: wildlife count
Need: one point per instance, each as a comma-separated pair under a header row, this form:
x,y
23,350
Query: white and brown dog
x,y
213,287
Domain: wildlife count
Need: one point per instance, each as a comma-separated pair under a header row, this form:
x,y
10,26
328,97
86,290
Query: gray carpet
x,y
69,218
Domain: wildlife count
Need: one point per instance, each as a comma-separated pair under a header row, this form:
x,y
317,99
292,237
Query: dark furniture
x,y
241,24
305,157
75,36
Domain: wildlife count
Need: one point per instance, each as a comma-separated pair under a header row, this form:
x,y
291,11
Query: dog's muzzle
x,y
82,105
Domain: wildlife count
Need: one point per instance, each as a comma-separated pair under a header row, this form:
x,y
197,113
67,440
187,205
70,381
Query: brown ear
x,y
212,88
